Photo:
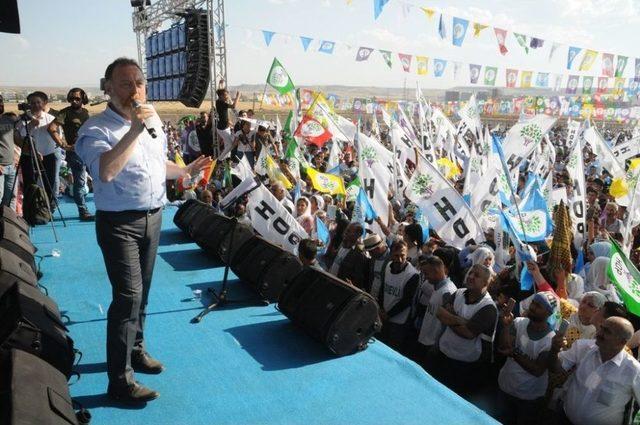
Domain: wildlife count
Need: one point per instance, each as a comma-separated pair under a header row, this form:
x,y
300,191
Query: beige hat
x,y
372,242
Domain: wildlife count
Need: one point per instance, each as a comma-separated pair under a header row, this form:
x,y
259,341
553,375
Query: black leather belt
x,y
137,213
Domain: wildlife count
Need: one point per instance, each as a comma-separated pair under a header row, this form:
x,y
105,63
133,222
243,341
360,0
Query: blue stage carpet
x,y
241,365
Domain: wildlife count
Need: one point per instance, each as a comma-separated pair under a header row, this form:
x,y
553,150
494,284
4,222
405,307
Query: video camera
x,y
26,111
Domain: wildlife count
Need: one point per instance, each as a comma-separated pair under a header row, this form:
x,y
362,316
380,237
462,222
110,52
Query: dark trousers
x,y
129,243
51,169
79,172
520,412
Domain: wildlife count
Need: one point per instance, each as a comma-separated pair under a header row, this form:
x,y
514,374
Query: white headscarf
x,y
597,279
481,254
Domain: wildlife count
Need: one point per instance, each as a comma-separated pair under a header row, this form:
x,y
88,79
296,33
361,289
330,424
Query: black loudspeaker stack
x,y
17,262
339,315
267,268
36,352
196,82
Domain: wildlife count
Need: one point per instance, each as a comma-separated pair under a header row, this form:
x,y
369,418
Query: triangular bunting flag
x,y
268,35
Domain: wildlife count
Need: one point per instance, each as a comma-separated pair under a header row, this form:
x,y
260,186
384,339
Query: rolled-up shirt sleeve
x,y
89,146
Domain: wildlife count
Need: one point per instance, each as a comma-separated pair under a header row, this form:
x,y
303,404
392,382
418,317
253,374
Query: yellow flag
x,y
588,60
429,12
275,173
178,160
326,183
448,168
618,188
525,79
423,63
477,28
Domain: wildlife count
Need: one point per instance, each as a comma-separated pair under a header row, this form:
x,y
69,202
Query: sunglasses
x,y
77,99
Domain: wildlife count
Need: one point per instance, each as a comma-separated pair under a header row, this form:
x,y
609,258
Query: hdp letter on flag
x,y
278,78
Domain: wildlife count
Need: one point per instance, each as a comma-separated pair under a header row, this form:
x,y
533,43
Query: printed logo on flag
x,y
326,183
423,186
369,156
532,133
533,224
278,77
489,75
623,277
312,128
363,54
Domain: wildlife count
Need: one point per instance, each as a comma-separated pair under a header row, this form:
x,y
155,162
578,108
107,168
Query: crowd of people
x,y
563,352
460,315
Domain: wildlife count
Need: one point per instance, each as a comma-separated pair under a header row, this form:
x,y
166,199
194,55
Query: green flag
x,y
291,148
625,277
287,125
278,78
353,189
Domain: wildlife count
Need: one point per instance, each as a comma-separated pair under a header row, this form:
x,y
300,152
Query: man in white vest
x,y
466,344
398,287
526,342
439,287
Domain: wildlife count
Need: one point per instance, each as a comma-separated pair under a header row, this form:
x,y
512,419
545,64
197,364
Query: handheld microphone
x,y
152,123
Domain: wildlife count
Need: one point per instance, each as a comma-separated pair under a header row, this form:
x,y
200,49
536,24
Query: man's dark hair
x,y
414,232
431,260
399,244
42,95
108,73
613,309
308,249
83,96
220,92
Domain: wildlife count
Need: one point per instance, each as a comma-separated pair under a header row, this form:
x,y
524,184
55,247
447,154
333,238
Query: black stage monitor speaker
x,y
7,213
13,269
184,211
184,217
337,314
15,239
196,81
33,392
31,322
214,235
265,266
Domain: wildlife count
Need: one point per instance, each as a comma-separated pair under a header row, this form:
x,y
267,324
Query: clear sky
x,y
70,42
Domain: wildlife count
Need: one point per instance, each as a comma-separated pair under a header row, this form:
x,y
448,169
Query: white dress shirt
x,y
598,392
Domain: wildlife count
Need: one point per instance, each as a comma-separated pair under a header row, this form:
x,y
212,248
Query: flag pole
x,y
264,92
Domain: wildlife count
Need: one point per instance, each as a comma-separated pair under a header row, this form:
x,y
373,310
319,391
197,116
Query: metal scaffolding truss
x,y
147,19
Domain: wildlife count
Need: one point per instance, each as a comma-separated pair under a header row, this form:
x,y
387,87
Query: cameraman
x,y
71,119
48,150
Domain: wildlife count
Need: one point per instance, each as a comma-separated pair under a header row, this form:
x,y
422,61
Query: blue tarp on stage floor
x,y
241,365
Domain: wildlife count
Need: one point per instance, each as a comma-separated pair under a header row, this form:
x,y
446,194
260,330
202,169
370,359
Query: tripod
x,y
220,298
41,178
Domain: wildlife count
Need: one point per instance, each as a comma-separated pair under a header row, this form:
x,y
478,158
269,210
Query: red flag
x,y
501,36
603,85
405,60
312,131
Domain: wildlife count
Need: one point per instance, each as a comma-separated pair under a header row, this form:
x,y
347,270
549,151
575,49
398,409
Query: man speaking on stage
x,y
129,169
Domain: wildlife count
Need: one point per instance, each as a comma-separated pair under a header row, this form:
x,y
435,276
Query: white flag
x,y
627,150
577,207
376,172
470,116
607,159
272,221
523,137
448,214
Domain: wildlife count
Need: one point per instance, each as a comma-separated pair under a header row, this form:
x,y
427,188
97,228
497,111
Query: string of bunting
x,y
439,66
459,27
